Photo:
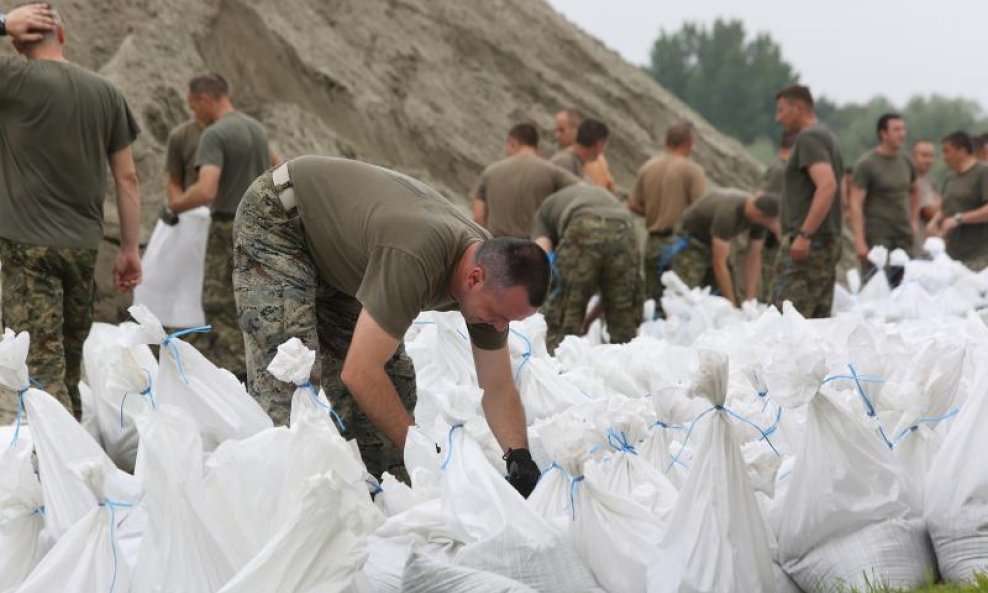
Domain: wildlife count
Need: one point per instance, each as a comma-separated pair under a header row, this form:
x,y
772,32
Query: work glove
x,y
168,217
523,474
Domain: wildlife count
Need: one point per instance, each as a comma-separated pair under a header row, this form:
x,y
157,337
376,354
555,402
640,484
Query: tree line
x,y
731,78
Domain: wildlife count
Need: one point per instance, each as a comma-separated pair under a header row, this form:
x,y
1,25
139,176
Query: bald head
x,y
567,122
50,44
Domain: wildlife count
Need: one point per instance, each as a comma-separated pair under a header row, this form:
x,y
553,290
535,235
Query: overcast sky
x,y
849,50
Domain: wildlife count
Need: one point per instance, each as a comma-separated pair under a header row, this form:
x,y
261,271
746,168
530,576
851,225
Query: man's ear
x,y
475,277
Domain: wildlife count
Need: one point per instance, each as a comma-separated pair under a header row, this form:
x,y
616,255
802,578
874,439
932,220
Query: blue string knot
x,y
526,356
619,441
112,506
170,344
315,397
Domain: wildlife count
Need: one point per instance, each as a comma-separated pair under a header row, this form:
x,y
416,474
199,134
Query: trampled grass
x,y
979,586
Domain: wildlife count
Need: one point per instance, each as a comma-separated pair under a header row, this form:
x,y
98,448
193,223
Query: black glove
x,y
523,474
168,217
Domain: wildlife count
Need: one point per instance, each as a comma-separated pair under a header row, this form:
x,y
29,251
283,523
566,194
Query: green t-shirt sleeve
x,y
394,289
722,226
810,150
486,337
541,226
565,179
862,175
210,151
124,129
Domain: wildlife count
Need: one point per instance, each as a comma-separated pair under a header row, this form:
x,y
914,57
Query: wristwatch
x,y
3,24
804,234
959,218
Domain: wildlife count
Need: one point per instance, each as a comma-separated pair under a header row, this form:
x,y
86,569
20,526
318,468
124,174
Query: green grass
x,y
979,586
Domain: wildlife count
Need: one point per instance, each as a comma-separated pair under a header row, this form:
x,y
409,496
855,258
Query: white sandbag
x,y
213,397
848,521
21,515
293,364
502,533
186,546
322,546
423,574
956,501
716,539
171,287
88,557
543,391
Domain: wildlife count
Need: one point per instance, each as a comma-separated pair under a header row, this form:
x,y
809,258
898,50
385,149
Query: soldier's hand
x,y
30,22
168,217
862,250
523,474
127,270
800,248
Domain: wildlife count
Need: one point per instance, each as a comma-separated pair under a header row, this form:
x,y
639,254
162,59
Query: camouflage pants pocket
x,y
224,345
808,284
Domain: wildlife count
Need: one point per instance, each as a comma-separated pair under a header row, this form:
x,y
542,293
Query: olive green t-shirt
x,y
180,153
566,205
886,181
719,214
386,239
772,180
963,192
665,186
567,159
815,144
237,144
514,188
58,125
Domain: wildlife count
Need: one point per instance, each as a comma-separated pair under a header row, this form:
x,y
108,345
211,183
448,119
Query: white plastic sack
x,y
21,515
213,397
173,270
423,574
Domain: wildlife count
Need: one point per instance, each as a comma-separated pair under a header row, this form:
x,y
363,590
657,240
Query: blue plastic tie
x,y
113,505
170,344
315,397
526,356
39,511
376,485
551,467
933,420
619,441
733,414
20,415
449,447
869,406
146,392
667,426
573,481
775,425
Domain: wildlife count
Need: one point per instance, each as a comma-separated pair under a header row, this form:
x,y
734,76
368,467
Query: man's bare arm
x,y
753,269
858,196
501,402
200,193
480,212
127,268
363,374
720,249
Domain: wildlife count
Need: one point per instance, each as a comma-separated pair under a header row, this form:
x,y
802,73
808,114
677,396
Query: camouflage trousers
x,y
280,296
694,266
596,254
653,250
808,284
770,251
893,273
224,345
49,291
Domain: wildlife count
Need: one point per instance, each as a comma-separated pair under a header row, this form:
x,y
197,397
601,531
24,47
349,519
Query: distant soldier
x,y
59,127
705,233
884,199
595,251
591,138
512,189
923,156
772,184
810,212
666,185
232,152
596,171
963,221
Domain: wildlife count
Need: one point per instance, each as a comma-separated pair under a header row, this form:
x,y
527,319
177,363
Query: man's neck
x,y
886,149
47,53
526,150
807,121
967,164
682,151
457,280
224,108
581,152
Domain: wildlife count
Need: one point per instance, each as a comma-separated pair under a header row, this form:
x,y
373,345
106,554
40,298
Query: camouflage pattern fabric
x,y
279,296
809,284
848,259
976,264
693,264
770,251
653,249
596,254
49,291
224,346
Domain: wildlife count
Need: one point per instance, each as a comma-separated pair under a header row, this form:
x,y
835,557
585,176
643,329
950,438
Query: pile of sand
x,y
428,87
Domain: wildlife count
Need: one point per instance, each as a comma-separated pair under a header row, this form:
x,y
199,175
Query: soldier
x,y
810,212
772,184
596,171
923,156
595,250
666,185
884,198
344,255
232,152
591,138
705,233
60,125
511,190
963,219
